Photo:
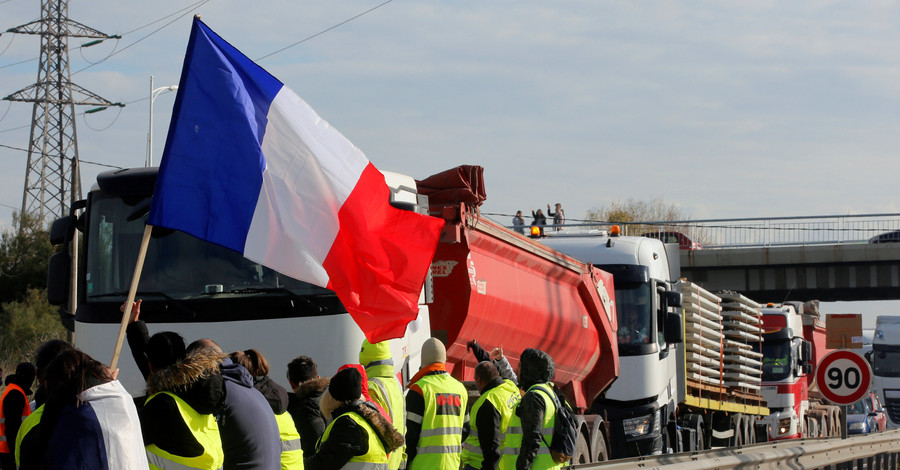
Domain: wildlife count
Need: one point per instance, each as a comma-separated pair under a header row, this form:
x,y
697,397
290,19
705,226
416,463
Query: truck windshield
x,y
634,310
177,265
776,360
885,363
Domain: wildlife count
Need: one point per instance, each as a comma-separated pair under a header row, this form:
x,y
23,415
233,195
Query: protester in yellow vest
x,y
359,436
490,417
436,417
14,409
185,392
525,446
385,389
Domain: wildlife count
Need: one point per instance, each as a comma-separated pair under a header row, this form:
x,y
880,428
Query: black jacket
x,y
275,394
303,405
348,439
535,367
197,381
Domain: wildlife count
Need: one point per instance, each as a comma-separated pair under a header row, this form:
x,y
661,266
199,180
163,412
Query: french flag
x,y
250,166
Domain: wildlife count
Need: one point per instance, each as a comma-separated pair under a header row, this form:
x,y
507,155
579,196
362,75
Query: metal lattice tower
x,y
52,177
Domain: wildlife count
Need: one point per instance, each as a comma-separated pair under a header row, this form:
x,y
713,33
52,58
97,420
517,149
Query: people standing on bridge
x,y
385,390
358,434
28,456
186,391
276,395
539,218
559,217
533,417
89,420
519,223
436,415
303,404
491,412
14,408
250,437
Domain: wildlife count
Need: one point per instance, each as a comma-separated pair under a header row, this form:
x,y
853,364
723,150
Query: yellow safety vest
x,y
385,390
512,442
4,445
204,429
30,422
504,398
374,459
291,452
440,442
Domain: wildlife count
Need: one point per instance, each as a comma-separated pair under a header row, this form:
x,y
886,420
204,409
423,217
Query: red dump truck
x,y
487,283
502,288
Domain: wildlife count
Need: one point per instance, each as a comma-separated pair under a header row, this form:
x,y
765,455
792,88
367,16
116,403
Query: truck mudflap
x,y
503,289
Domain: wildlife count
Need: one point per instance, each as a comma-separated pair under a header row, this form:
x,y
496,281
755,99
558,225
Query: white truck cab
x,y
885,359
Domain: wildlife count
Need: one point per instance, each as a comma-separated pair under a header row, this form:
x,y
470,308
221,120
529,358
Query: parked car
x,y
684,243
886,237
861,417
880,417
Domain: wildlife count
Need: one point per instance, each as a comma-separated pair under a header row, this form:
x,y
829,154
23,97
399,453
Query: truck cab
x,y
785,367
885,359
641,403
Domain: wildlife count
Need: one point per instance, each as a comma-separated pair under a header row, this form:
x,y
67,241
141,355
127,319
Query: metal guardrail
x,y
875,451
753,232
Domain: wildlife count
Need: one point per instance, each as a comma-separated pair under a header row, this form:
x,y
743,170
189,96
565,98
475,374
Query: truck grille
x,y
893,409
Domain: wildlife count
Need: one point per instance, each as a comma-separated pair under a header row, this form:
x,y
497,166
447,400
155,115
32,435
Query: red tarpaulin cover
x,y
464,183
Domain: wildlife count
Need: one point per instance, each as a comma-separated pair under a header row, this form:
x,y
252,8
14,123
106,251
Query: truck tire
x,y
597,438
737,424
582,451
695,422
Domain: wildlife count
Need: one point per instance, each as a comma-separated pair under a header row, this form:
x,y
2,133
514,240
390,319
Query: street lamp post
x,y
153,94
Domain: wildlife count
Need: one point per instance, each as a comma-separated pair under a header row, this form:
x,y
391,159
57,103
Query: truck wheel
x,y
582,452
695,422
599,453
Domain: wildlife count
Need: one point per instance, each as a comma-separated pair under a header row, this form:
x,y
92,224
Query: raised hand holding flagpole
x,y
132,293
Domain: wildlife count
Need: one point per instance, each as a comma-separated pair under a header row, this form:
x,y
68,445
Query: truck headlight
x,y
784,425
861,426
641,425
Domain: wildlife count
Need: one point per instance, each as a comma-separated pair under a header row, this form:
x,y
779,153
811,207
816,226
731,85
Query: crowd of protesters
x,y
208,409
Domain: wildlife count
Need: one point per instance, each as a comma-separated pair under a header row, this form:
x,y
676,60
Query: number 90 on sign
x,y
843,377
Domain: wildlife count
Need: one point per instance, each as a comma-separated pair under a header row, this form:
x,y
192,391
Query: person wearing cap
x,y
386,391
492,411
436,416
524,445
14,409
359,436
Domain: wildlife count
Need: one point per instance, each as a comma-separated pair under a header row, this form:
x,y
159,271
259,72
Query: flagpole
x,y
132,292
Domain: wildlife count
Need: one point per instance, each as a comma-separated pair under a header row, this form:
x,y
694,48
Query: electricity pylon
x,y
52,177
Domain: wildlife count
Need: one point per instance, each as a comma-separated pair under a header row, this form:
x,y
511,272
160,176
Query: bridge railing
x,y
753,232
875,451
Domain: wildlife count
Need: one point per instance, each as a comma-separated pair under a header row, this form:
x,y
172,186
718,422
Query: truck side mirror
x,y
58,279
673,299
674,332
62,229
805,352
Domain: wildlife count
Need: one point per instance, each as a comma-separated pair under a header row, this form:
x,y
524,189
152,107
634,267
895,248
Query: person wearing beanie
x,y
385,390
358,434
365,390
14,409
533,413
436,418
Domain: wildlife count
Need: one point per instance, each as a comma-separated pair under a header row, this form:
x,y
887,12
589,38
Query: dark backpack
x,y
565,429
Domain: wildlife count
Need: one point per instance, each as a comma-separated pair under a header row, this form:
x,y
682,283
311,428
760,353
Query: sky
x,y
726,109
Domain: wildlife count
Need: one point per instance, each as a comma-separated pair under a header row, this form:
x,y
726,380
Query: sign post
x,y
843,377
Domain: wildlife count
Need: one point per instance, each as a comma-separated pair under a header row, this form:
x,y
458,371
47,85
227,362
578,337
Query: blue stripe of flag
x,y
211,169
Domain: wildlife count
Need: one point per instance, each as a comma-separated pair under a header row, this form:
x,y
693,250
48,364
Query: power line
x,y
324,30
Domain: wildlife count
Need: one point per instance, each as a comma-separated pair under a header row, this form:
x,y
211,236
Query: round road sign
x,y
843,377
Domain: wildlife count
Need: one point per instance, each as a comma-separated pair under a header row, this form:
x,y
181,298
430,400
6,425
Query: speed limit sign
x,y
843,377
